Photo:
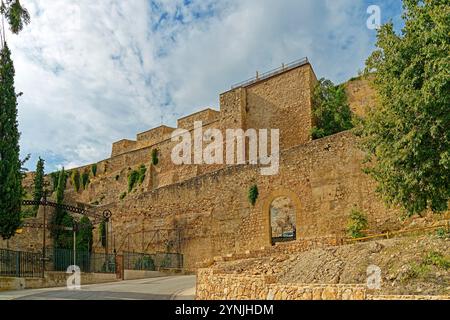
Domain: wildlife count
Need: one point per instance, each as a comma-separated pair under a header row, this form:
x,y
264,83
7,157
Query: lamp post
x,y
44,203
75,229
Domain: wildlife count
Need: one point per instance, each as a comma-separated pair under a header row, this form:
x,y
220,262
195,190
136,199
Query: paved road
x,y
165,288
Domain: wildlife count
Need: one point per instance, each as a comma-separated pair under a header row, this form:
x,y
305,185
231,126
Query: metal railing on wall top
x,y
271,73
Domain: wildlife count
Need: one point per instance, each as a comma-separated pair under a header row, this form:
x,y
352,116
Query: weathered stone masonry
x,y
208,205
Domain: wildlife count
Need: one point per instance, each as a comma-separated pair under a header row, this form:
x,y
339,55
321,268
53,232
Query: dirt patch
x,y
409,265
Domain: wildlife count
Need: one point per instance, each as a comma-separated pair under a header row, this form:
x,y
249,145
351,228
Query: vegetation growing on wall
x,y
54,177
407,136
357,224
253,194
136,177
133,178
142,171
94,170
331,109
76,180
85,179
155,159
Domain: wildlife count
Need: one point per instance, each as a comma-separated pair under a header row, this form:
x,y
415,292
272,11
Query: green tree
x,y
331,109
38,192
16,15
62,238
407,135
10,165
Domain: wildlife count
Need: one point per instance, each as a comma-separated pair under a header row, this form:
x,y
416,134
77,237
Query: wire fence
x,y
20,264
152,262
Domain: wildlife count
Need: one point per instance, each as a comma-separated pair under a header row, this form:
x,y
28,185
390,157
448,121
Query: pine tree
x,y
39,182
10,165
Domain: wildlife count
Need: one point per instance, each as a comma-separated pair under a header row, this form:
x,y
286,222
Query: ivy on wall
x,y
76,180
85,179
253,194
94,169
155,159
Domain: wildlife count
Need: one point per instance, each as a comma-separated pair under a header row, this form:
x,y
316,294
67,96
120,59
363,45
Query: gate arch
x,y
279,193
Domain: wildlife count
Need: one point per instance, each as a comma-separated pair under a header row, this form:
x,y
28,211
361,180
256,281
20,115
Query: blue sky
x,y
94,72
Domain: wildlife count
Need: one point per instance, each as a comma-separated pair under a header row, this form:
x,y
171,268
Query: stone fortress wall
x,y
207,205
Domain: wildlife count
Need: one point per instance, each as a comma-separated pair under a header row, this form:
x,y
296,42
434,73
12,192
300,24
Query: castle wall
x,y
283,102
207,205
215,217
280,102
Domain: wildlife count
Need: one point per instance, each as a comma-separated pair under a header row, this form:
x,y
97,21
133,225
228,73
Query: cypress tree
x,y
59,215
39,182
10,165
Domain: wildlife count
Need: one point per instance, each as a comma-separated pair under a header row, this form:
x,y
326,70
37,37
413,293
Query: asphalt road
x,y
165,288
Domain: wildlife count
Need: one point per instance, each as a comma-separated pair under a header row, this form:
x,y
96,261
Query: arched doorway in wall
x,y
283,220
281,210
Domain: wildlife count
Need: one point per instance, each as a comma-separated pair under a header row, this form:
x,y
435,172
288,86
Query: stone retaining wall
x,y
212,286
51,280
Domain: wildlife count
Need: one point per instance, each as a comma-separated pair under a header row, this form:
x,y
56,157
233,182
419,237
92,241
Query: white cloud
x,y
93,72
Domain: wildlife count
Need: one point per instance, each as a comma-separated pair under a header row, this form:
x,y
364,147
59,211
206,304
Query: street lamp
x,y
44,203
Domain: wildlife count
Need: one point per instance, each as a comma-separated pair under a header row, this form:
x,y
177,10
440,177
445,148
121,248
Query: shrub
x,y
94,169
437,259
117,177
442,233
145,263
155,159
122,195
357,223
85,179
253,194
76,180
